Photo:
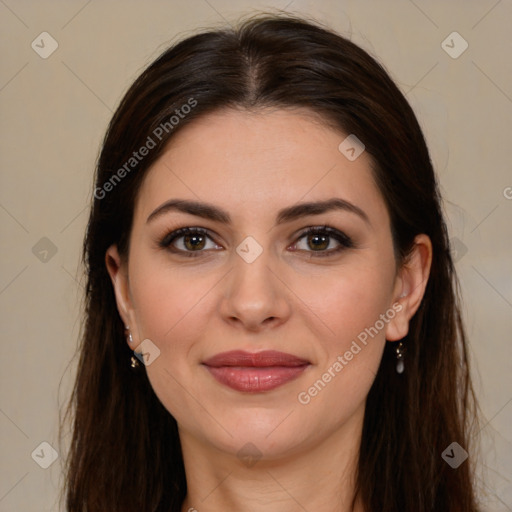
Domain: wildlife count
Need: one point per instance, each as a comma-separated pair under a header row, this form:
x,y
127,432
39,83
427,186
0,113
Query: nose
x,y
255,297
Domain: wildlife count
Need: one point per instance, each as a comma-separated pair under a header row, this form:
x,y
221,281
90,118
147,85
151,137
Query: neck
x,y
321,477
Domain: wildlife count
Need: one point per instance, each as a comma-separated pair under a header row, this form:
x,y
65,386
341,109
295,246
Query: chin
x,y
271,434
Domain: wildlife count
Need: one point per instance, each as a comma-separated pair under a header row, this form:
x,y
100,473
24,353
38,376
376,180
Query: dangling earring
x,y
134,362
400,366
129,335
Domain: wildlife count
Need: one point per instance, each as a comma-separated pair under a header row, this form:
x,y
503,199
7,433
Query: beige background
x,y
54,114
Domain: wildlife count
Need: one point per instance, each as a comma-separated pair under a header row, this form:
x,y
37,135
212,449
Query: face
x,y
292,254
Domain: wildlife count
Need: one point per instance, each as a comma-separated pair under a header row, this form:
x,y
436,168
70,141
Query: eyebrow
x,y
209,211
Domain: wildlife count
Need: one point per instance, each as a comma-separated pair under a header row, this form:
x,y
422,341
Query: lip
x,y
255,372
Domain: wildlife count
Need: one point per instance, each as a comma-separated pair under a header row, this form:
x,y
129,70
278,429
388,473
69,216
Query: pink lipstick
x,y
255,372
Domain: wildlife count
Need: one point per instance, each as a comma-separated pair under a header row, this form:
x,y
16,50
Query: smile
x,y
255,372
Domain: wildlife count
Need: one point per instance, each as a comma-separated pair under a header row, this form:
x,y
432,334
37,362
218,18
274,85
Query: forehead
x,y
250,162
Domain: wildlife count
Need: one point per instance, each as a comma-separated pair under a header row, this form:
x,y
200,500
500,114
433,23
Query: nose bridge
x,y
254,294
253,276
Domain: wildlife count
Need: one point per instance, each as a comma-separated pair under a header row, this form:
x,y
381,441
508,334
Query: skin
x,y
288,299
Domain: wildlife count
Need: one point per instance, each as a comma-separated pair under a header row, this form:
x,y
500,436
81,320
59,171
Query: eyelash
x,y
344,241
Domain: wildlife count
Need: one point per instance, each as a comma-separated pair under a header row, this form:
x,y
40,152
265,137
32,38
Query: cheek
x,y
169,302
354,307
349,359
350,302
170,309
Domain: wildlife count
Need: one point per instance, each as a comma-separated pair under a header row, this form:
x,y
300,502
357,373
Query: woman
x,y
272,320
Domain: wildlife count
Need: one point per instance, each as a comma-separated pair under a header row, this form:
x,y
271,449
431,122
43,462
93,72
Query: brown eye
x,y
323,240
318,242
193,242
188,241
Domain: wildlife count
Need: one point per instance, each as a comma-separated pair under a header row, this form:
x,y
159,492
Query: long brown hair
x,y
125,452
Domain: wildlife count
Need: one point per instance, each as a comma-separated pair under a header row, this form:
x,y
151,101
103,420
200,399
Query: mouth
x,y
255,372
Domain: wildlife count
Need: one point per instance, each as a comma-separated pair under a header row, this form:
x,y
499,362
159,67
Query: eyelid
x,y
178,232
326,229
344,241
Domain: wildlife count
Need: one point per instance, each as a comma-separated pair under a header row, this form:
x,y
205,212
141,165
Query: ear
x,y
118,271
410,285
